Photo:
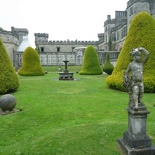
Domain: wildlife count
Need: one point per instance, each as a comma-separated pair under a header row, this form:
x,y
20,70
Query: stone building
x,y
12,39
54,52
112,39
115,30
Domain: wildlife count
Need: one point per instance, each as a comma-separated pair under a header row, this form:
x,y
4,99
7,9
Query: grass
x,y
80,117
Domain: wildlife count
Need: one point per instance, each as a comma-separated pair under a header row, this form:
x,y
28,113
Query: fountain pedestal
x,y
66,75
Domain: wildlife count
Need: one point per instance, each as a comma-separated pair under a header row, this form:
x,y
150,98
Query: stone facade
x,y
42,43
115,30
112,39
12,40
55,52
21,32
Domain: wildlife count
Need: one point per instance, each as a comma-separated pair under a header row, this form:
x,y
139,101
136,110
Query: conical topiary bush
x,y
31,65
91,64
8,78
108,66
141,34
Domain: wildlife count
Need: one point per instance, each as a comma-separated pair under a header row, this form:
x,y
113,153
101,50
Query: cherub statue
x,y
133,77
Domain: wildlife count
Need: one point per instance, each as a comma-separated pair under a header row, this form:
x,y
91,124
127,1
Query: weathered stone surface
x,y
127,150
66,75
135,140
7,112
7,102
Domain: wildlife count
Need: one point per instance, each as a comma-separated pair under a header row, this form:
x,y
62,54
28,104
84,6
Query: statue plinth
x,y
135,141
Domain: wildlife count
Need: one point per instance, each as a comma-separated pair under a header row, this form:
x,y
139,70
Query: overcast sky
x,y
61,19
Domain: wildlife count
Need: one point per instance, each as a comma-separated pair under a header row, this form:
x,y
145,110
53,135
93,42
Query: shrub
x,y
31,65
108,67
141,34
8,77
90,65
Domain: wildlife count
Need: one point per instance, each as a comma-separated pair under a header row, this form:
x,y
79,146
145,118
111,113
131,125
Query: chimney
x,y
108,17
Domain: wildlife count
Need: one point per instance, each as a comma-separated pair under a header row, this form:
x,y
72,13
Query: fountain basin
x,y
66,76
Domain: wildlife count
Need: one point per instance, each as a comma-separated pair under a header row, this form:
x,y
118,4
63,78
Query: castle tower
x,y
41,37
108,25
21,32
136,6
152,7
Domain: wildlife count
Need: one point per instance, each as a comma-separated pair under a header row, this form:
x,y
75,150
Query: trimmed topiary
x,y
31,65
8,78
108,67
141,34
91,65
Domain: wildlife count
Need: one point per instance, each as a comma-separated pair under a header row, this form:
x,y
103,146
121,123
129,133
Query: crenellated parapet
x,y
109,21
41,35
8,32
20,30
9,36
120,14
66,42
131,2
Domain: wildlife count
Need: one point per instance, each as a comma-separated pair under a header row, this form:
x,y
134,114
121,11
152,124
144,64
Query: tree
x,y
91,65
108,67
141,34
8,78
31,65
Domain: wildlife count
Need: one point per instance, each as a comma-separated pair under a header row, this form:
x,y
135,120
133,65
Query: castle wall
x,y
101,46
10,41
61,46
41,37
112,39
152,7
122,22
134,7
21,32
108,25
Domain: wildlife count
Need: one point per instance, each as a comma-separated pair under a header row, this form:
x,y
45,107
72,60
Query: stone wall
x,y
120,24
135,8
10,41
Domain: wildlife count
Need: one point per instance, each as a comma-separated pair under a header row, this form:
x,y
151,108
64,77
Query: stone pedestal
x,y
135,141
66,75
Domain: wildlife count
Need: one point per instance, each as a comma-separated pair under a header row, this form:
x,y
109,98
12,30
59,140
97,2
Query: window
x,y
58,49
131,11
42,49
113,37
117,35
106,29
73,49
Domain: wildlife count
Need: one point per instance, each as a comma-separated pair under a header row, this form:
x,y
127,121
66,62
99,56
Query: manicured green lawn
x,y
80,117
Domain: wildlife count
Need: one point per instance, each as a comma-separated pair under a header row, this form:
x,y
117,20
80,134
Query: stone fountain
x,y
66,75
